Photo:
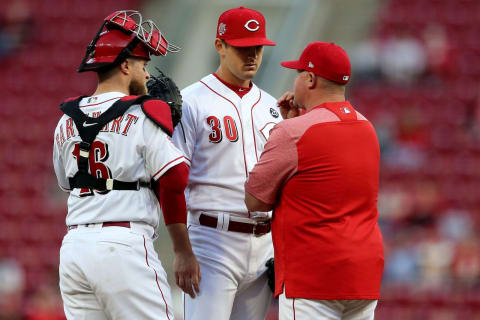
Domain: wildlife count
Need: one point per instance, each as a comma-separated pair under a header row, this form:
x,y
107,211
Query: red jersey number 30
x,y
216,134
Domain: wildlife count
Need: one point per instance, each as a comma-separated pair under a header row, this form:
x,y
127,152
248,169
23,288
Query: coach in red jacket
x,y
320,172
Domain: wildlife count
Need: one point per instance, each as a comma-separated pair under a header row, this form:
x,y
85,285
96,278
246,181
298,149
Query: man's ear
x,y
125,67
220,47
312,80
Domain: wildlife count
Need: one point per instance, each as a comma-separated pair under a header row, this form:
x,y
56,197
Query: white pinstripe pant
x,y
113,273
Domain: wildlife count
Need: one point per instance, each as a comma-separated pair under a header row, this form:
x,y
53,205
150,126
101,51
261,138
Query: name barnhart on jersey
x,y
120,125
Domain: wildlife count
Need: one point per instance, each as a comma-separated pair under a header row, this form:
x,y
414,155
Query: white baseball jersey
x,y
129,148
222,136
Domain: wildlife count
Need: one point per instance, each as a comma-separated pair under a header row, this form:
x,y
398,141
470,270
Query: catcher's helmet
x,y
124,34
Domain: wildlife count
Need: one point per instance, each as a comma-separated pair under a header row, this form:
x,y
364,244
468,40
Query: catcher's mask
x,y
124,34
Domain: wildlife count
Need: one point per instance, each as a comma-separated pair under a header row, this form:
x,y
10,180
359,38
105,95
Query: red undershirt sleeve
x,y
170,188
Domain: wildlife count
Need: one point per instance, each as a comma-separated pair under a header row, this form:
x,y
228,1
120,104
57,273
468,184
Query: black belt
x,y
85,180
258,229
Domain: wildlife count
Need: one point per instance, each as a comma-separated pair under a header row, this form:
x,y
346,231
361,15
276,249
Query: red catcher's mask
x,y
124,34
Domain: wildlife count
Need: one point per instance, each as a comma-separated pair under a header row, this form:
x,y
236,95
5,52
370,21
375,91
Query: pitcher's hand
x,y
187,273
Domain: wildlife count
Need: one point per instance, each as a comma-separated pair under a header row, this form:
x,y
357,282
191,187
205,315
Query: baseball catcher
x,y
114,156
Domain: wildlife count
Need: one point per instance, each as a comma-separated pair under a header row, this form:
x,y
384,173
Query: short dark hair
x,y
225,43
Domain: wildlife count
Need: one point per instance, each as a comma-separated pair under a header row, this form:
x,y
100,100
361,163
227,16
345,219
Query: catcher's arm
x,y
170,192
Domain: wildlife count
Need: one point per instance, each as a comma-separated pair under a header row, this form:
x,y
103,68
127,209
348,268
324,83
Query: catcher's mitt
x,y
163,88
271,274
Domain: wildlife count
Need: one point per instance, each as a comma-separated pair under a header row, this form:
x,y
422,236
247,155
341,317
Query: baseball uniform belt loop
x,y
124,224
257,229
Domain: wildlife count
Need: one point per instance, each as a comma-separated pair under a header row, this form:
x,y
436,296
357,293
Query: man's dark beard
x,y
137,88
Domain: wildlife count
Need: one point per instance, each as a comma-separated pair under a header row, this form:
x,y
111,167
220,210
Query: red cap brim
x,y
250,42
293,65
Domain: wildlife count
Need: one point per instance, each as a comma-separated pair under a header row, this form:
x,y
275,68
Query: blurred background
x,y
416,72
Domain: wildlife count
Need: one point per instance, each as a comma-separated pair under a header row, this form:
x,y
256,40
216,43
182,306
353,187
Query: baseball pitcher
x,y
225,124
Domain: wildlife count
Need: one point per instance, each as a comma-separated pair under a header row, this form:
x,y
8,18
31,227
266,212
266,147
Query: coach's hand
x,y
185,265
288,108
187,273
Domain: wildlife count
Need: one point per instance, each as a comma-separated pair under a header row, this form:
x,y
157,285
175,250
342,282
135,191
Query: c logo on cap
x,y
255,28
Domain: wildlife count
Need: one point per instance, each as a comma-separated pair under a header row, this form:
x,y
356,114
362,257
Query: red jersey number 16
x,y
98,155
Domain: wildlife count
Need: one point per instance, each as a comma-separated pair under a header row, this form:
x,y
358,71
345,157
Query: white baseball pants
x,y
306,309
234,283
113,273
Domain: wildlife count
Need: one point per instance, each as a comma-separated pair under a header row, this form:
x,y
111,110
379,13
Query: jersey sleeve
x,y
160,152
170,192
59,168
184,135
278,163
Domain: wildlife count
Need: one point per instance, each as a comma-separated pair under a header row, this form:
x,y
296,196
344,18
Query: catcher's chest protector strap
x,y
88,129
159,112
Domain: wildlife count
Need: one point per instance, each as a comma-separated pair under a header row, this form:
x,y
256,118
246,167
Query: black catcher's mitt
x,y
163,88
271,274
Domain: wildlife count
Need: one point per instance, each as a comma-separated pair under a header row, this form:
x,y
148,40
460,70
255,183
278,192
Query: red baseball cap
x,y
326,60
243,27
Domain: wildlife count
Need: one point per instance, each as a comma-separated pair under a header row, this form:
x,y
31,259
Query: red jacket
x,y
322,170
